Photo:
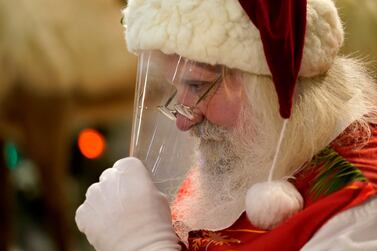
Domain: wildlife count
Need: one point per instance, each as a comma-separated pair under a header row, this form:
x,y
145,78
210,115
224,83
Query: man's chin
x,y
220,184
226,168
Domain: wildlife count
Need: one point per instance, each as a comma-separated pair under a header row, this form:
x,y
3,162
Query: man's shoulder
x,y
354,229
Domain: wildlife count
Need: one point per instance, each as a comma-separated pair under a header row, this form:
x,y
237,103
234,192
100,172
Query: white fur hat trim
x,y
220,32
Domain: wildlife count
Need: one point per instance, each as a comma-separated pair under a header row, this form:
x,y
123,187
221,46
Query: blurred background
x,y
66,100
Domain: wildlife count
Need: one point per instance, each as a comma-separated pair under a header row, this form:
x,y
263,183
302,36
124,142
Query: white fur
x,y
270,203
220,32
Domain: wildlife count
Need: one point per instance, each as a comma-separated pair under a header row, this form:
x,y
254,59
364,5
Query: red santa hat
x,y
260,37
282,26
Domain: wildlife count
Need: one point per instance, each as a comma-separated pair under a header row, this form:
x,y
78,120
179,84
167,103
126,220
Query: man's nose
x,y
185,124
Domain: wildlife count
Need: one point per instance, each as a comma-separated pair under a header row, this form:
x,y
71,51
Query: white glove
x,y
125,211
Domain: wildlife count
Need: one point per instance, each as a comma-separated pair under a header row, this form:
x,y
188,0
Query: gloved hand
x,y
124,211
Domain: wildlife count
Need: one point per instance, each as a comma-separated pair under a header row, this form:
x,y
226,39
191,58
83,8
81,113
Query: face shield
x,y
168,86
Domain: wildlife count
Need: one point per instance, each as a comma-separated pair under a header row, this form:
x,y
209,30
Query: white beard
x,y
226,167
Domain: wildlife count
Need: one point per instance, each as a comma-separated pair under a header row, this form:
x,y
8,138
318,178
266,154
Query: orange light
x,y
91,143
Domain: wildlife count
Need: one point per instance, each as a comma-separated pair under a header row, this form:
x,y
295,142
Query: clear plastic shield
x,y
166,151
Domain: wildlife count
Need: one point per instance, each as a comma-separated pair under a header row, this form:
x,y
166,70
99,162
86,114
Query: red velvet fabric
x,y
291,235
297,231
282,26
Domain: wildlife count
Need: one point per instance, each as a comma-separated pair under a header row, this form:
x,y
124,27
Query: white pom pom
x,y
270,203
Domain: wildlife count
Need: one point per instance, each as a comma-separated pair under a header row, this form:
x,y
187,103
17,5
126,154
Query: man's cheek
x,y
225,114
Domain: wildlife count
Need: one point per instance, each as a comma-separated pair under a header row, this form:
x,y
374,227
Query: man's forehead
x,y
208,67
175,60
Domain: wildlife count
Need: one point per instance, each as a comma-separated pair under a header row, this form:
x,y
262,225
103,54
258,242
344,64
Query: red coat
x,y
294,233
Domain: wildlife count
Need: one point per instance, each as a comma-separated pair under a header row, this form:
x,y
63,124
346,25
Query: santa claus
x,y
286,133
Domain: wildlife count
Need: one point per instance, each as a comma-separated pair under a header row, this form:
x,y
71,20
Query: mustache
x,y
209,132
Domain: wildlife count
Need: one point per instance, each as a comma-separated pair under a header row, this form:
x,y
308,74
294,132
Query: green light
x,y
11,155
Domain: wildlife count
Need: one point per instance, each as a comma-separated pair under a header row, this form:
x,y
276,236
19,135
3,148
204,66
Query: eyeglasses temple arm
x,y
209,89
171,98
